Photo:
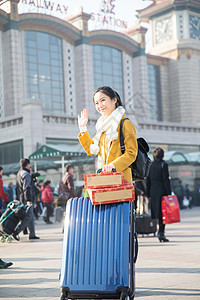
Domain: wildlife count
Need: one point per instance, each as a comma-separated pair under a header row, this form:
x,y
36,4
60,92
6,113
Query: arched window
x,y
44,70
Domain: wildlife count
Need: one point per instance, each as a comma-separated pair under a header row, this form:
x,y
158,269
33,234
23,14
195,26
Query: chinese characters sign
x,y
106,17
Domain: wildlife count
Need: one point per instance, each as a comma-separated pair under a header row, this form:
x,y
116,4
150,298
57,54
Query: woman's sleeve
x,y
131,148
85,141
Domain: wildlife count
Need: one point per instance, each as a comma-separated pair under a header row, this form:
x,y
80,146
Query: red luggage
x,y
170,209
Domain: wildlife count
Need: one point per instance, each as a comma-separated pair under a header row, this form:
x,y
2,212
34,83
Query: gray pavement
x,y
163,270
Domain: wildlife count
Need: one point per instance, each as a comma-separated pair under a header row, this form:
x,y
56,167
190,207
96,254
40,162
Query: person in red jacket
x,y
47,199
3,195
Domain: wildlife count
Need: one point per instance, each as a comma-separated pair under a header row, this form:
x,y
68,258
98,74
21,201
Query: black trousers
x,y
49,211
161,230
29,221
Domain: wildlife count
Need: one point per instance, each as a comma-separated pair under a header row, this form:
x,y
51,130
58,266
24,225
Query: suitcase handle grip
x,y
100,170
136,248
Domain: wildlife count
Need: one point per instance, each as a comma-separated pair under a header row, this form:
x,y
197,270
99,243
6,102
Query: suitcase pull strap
x,y
136,248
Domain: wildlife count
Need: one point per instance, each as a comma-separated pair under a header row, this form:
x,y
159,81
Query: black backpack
x,y
140,167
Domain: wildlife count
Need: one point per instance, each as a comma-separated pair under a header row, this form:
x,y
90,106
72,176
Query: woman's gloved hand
x,y
82,120
108,168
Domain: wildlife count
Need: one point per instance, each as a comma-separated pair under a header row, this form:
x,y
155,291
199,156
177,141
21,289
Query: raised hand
x,y
83,119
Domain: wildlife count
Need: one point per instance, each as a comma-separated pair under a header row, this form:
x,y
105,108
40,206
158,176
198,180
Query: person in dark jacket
x,y
66,185
9,191
158,185
39,204
47,198
179,191
35,192
25,192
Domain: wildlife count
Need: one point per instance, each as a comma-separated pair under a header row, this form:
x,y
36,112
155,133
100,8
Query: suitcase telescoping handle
x,y
100,170
136,248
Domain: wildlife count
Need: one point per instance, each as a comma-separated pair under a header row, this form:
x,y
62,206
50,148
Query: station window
x,y
44,70
108,69
154,89
11,152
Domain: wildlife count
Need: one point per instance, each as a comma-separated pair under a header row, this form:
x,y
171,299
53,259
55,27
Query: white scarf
x,y
109,125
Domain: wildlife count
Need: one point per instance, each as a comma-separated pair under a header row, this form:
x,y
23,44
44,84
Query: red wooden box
x,y
112,194
170,209
104,180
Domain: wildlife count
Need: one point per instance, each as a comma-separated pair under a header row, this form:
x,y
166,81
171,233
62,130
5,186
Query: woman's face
x,y
104,104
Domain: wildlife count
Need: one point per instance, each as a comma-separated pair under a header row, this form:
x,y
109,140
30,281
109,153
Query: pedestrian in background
x,y
47,198
187,196
3,196
66,186
39,204
158,185
9,191
36,192
179,191
24,188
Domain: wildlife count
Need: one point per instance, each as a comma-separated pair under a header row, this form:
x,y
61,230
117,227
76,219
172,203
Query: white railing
x,y
64,120
11,122
170,127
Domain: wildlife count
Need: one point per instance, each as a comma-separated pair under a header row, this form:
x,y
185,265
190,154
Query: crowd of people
x,y
36,196
107,145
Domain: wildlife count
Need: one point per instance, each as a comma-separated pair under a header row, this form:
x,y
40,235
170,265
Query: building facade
x,y
50,67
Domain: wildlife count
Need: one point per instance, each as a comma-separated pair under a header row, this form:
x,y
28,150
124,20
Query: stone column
x,y
32,127
140,87
84,79
12,63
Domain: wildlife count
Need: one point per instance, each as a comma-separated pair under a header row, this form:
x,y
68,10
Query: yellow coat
x,y
113,154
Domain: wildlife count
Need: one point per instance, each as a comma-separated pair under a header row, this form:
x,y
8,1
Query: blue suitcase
x,y
99,251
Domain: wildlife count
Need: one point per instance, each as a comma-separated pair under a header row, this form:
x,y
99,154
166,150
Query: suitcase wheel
x,y
63,295
2,239
9,239
125,298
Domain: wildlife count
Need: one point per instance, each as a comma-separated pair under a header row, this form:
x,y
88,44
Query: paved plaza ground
x,y
163,270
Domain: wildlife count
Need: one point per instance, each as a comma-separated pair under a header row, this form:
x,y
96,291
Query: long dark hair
x,y
108,91
47,182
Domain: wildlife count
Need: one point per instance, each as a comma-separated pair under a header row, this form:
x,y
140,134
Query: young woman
x,y
106,141
158,185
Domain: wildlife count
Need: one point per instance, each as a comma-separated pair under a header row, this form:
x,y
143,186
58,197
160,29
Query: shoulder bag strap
x,y
121,137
